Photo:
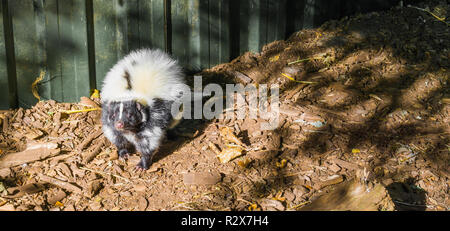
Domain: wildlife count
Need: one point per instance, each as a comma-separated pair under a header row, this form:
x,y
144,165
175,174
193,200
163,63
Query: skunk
x,y
137,97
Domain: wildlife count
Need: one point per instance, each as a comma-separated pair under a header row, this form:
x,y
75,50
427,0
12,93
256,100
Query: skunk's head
x,y
126,115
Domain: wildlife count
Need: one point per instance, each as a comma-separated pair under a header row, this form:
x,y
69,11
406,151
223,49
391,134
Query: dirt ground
x,y
364,105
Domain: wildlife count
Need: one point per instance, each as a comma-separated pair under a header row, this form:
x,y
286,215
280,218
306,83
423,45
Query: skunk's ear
x,y
139,106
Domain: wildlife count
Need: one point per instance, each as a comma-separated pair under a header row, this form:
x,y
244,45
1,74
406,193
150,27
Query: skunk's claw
x,y
143,164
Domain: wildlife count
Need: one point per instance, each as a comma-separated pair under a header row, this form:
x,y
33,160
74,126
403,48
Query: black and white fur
x,y
137,96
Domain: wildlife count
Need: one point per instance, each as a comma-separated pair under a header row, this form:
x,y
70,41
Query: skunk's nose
x,y
119,125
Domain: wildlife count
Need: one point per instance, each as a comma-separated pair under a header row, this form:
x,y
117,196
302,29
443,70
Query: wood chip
x,y
228,135
142,203
85,101
334,168
62,184
229,153
352,196
53,199
201,178
269,203
65,169
140,187
93,188
290,110
5,123
345,164
89,139
214,148
57,123
34,152
32,134
16,192
7,207
336,179
87,157
5,172
263,155
242,77
114,155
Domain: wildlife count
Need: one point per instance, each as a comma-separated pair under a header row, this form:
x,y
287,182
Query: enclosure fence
x,y
71,44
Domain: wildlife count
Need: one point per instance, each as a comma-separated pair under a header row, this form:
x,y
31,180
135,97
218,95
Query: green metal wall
x,y
77,41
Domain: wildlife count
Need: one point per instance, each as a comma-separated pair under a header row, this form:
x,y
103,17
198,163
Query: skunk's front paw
x,y
124,154
143,164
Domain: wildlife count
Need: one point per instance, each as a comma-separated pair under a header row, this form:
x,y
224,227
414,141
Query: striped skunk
x,y
137,96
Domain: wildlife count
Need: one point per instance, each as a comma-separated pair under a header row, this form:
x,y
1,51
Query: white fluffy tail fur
x,y
152,74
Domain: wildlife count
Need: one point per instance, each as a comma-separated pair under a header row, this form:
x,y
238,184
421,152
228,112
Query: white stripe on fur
x,y
120,111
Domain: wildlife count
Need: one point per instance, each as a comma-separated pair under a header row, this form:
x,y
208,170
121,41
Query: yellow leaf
x,y
274,58
281,164
95,94
229,136
253,207
289,77
59,204
278,197
83,110
34,89
355,150
299,205
244,163
229,153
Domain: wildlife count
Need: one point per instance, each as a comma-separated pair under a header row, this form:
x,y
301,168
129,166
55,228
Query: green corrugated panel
x,y
122,26
261,22
309,13
133,19
74,60
248,25
183,38
201,32
190,34
11,99
151,24
252,26
109,32
27,48
76,42
25,41
276,20
296,9
50,36
4,92
48,49
256,25
219,32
